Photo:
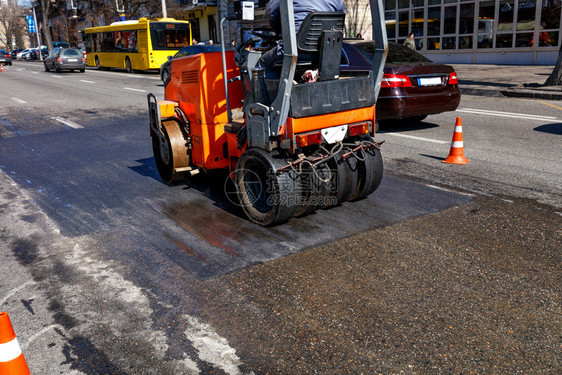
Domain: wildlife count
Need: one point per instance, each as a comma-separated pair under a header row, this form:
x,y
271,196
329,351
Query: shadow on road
x,y
404,125
550,128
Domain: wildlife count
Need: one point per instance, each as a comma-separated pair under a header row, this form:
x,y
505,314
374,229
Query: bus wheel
x,y
128,66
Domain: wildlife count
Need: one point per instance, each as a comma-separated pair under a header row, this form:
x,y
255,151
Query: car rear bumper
x,y
392,107
69,66
5,60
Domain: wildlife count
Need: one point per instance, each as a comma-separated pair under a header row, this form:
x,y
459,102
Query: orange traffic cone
x,y
456,154
12,361
1,68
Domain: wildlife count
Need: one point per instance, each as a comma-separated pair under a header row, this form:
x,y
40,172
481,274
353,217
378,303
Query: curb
x,y
480,92
532,94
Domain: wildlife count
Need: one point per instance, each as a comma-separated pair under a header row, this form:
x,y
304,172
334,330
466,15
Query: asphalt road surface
x,y
106,270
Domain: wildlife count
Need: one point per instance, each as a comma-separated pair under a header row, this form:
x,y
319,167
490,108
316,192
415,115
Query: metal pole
x,y
223,48
164,12
37,33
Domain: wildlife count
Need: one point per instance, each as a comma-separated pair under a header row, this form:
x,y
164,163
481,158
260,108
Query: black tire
x,y
316,184
128,66
55,66
165,76
172,154
346,179
370,173
267,198
82,70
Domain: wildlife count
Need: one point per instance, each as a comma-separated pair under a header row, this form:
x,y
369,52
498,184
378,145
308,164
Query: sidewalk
x,y
523,81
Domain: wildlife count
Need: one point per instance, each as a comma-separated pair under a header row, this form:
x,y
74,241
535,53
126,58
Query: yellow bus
x,y
135,45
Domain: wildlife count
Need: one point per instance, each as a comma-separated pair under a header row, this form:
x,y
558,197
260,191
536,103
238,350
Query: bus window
x,y
167,36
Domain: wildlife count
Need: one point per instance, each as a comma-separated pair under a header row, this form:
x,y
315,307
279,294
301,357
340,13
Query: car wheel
x,y
56,68
82,70
165,76
128,66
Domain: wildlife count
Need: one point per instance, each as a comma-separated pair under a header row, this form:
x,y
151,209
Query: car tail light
x,y
453,80
59,59
309,139
358,129
395,80
83,59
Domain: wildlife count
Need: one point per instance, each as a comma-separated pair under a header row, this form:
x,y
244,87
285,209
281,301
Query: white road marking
x,y
414,137
57,76
212,348
25,345
507,114
34,72
20,69
85,81
137,90
72,124
15,290
448,190
144,77
19,100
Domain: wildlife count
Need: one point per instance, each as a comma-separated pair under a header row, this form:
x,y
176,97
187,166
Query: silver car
x,y
65,59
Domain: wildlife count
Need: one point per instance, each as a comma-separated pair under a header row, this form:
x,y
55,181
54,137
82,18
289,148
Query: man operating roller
x,y
301,9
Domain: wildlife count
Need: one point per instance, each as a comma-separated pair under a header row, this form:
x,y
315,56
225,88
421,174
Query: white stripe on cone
x,y
457,144
10,351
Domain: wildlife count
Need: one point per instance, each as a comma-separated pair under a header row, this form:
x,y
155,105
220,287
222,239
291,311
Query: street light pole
x,y
37,33
164,12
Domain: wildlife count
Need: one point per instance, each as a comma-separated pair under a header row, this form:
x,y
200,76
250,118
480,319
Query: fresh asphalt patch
x,y
102,181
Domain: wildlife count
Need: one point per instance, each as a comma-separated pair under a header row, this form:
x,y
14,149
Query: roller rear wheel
x,y
370,173
316,184
267,198
171,152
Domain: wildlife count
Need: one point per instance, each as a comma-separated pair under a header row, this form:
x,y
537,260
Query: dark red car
x,y
5,57
412,87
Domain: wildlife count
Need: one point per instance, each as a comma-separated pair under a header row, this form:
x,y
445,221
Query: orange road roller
x,y
293,143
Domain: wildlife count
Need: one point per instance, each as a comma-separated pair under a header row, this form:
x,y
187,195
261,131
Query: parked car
x,y
34,53
412,86
14,53
65,59
165,68
22,53
5,57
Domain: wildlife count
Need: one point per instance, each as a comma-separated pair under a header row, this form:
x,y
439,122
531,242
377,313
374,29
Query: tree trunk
x,y
45,10
555,78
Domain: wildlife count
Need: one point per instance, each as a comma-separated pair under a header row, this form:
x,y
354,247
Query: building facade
x,y
511,32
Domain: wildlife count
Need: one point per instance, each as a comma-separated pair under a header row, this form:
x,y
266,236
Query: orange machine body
x,y
197,87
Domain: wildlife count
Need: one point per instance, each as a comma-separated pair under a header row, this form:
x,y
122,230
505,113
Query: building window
x,y
504,41
434,21
450,43
506,16
390,20
466,19
403,21
486,24
465,42
450,24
